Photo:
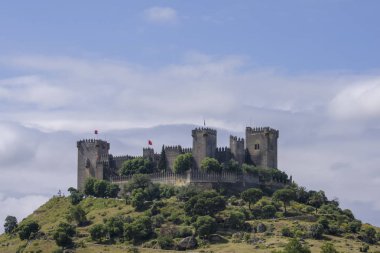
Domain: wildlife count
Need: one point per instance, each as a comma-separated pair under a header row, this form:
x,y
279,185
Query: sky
x,y
138,70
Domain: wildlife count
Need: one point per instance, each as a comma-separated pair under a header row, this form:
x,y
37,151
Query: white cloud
x,y
161,15
358,101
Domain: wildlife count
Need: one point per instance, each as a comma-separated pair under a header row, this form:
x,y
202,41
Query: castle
x,y
259,148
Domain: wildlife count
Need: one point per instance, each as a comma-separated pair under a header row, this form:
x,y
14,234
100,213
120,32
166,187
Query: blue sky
x,y
154,69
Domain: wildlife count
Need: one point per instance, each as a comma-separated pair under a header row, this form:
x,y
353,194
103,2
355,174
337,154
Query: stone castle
x,y
259,148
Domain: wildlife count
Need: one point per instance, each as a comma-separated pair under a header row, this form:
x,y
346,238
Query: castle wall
x,y
223,154
237,149
204,145
90,153
262,146
171,153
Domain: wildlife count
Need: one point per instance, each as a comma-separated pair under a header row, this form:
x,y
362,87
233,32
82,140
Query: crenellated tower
x,y
204,144
237,149
261,143
91,153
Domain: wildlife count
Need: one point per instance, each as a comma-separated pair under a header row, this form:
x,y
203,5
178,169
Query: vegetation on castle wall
x,y
137,165
210,165
183,163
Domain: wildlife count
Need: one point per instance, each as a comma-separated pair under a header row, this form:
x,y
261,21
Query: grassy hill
x,y
169,218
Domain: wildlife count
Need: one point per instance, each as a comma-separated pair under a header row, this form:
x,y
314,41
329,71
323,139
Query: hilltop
x,y
153,218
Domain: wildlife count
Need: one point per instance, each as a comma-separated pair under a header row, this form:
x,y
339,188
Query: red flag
x,y
96,131
150,142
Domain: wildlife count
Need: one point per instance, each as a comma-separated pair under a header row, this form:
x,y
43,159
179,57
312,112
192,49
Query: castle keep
x,y
258,148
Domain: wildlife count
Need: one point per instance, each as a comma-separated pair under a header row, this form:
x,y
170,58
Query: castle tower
x,y
204,145
261,143
237,149
148,153
90,152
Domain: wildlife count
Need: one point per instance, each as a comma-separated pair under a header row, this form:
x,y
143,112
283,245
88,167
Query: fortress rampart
x,y
258,148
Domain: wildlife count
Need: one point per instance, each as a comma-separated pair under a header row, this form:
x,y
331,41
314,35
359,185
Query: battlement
x,y
236,139
92,141
148,149
204,130
177,148
187,150
222,149
125,157
254,130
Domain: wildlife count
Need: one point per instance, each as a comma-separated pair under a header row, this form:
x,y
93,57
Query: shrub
x,y
210,165
165,242
354,226
136,166
167,191
186,192
205,203
235,220
268,211
294,246
183,163
287,232
115,227
27,229
138,199
368,235
138,230
98,232
316,231
63,235
328,248
77,214
205,225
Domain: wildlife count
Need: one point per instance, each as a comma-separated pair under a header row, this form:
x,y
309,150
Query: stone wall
x,y
204,145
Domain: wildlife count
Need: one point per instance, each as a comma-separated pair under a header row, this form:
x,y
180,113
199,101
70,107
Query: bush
x,y
10,224
186,192
183,163
63,235
328,248
316,231
268,211
98,232
138,199
294,246
75,198
167,191
165,242
98,188
235,220
354,226
115,227
368,235
205,225
77,214
205,203
138,230
137,165
210,165
287,232
27,229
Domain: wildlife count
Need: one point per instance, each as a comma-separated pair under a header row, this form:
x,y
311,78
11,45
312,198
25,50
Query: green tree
x,y
138,230
285,196
77,215
251,196
75,197
10,224
205,203
205,225
368,235
294,246
112,190
317,199
183,163
100,188
231,166
210,165
162,163
235,220
328,248
137,165
115,227
138,181
89,186
268,211
98,232
138,199
316,231
28,229
63,235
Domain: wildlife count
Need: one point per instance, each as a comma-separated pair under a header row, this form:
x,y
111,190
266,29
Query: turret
x,y
261,143
204,144
237,149
90,153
